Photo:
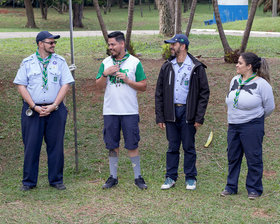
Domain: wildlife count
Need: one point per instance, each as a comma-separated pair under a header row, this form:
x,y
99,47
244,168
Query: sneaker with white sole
x,y
190,184
168,184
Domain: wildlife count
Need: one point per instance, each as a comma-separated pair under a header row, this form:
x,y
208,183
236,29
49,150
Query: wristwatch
x,y
56,106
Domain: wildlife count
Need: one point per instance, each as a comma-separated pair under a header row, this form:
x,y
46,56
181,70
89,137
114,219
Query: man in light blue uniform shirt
x,y
43,80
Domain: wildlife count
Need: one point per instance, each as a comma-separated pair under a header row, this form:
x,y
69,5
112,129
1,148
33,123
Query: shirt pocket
x,y
34,76
54,75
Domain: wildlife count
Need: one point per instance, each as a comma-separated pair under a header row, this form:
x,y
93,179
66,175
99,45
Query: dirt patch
x,y
261,213
6,11
270,174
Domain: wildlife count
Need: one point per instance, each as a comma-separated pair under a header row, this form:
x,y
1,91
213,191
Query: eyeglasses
x,y
50,43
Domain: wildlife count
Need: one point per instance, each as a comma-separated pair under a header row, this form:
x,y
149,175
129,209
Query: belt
x,y
43,104
179,105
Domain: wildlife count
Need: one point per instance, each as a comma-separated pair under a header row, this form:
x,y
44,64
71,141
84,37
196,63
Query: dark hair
x,y
187,46
118,35
259,65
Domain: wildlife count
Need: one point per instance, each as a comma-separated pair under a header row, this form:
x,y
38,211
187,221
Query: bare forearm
x,y
139,86
101,82
61,94
25,95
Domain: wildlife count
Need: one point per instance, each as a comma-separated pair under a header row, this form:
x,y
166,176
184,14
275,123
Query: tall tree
x,y
100,19
129,26
166,17
30,14
254,5
178,16
141,9
227,49
44,8
274,8
121,4
193,7
78,6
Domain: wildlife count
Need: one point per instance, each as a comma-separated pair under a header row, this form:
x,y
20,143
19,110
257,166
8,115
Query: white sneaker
x,y
168,184
191,184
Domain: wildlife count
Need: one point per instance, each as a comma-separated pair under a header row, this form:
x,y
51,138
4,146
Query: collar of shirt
x,y
187,61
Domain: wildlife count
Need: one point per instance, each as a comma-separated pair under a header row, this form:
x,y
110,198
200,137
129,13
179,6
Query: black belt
x,y
179,105
43,104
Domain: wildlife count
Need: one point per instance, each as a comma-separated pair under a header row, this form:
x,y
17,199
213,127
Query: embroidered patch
x,y
55,79
54,62
189,68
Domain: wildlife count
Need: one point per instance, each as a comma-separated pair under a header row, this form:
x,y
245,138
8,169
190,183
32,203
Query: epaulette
x,y
58,56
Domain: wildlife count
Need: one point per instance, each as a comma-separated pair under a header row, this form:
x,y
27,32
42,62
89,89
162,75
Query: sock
x,y
113,164
136,166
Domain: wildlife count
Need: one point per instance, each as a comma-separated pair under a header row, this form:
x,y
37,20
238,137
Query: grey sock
x,y
136,166
113,164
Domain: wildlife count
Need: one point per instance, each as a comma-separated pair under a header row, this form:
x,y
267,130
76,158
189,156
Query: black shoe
x,y
253,195
59,186
139,182
111,182
26,188
225,193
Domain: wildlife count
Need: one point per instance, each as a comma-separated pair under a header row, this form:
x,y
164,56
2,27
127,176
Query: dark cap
x,y
45,35
181,38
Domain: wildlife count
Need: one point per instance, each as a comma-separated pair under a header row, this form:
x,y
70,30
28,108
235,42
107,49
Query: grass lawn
x,y
14,19
84,201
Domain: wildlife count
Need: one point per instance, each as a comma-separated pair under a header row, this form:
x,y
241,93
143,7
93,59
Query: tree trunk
x,y
78,14
193,7
166,17
30,14
274,8
254,5
228,56
156,4
101,22
178,16
129,26
185,6
121,4
141,9
44,9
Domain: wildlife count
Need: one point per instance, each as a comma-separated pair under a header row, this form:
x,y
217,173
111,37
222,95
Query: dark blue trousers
x,y
34,129
177,132
245,139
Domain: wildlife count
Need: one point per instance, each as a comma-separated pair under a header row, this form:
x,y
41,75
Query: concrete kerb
x,y
7,35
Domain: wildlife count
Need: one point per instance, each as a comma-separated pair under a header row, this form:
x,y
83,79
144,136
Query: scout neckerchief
x,y
241,84
115,79
44,71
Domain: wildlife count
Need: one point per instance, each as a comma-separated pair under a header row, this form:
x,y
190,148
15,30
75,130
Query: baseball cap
x,y
181,38
45,35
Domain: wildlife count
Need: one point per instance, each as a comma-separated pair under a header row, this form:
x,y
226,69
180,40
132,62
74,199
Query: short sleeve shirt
x,y
120,98
30,75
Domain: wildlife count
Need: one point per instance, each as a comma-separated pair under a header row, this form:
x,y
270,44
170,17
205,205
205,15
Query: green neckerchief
x,y
114,79
44,71
241,84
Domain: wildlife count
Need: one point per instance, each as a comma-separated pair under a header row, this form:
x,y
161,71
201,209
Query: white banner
x,y
232,2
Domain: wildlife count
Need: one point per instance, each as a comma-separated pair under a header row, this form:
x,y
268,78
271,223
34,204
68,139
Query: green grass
x,y
84,201
117,20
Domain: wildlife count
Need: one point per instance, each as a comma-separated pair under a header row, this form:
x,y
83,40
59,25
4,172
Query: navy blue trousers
x,y
245,139
180,132
34,129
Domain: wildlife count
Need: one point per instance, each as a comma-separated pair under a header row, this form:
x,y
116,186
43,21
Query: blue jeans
x,y
177,132
245,139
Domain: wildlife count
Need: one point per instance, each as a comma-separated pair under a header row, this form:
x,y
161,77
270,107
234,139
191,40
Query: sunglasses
x,y
50,43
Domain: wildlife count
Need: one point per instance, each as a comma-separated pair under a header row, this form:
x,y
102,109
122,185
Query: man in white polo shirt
x,y
122,75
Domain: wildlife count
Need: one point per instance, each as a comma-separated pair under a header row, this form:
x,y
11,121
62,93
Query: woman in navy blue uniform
x,y
250,100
